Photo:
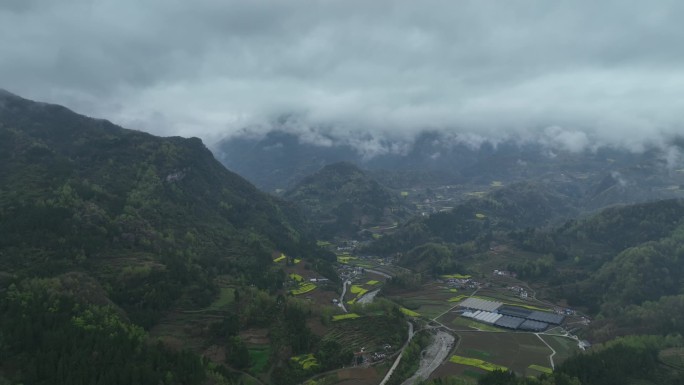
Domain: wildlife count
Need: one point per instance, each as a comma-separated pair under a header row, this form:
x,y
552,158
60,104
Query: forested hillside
x,y
517,206
145,223
624,263
341,199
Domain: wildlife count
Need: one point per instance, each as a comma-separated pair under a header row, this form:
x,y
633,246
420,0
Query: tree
x,y
237,354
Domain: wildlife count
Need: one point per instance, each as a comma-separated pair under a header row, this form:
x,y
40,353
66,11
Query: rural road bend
x,y
344,291
401,353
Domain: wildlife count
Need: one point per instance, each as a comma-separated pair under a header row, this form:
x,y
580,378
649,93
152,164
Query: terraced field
x,y
370,332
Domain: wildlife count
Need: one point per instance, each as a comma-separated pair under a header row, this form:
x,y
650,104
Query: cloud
x,y
573,141
573,74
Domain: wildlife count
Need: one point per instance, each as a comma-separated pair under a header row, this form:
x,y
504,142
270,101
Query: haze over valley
x,y
333,193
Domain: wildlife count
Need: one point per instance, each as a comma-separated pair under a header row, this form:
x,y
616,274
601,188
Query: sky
x,y
575,74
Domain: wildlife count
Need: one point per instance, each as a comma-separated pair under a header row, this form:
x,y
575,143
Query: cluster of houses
x,y
439,204
565,311
379,260
348,272
522,293
505,273
347,246
464,283
364,358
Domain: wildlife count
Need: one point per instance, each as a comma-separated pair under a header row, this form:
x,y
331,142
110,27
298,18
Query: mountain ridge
x,y
77,190
281,158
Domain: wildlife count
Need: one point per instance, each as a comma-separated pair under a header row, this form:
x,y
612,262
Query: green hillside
x,y
513,207
342,200
105,229
624,263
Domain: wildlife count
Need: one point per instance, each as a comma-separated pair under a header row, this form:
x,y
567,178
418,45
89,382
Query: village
x,y
495,305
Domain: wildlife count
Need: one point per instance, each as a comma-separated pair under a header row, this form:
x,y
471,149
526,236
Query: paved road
x,y
401,353
344,291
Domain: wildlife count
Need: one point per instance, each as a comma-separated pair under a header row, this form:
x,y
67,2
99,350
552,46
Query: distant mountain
x,y
281,159
84,194
342,200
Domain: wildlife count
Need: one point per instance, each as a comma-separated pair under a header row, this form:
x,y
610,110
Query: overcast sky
x,y
574,72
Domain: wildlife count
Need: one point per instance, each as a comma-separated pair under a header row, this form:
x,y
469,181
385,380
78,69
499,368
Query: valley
x,y
238,192
462,347
118,246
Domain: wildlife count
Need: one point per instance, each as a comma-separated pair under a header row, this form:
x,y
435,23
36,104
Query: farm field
x,y
321,293
349,376
674,357
341,317
541,369
509,298
464,324
371,332
184,330
477,363
226,297
467,374
356,261
362,285
515,351
303,288
430,301
258,357
370,263
564,347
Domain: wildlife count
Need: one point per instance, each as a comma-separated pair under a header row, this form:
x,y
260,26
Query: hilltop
x,y
343,199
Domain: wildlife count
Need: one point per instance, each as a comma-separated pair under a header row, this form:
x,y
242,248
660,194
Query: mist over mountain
x,y
579,74
280,159
341,192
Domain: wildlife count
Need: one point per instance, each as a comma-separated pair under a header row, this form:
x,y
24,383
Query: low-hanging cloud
x,y
573,74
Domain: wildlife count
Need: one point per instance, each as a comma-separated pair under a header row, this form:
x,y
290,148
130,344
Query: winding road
x,y
553,352
401,353
344,291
